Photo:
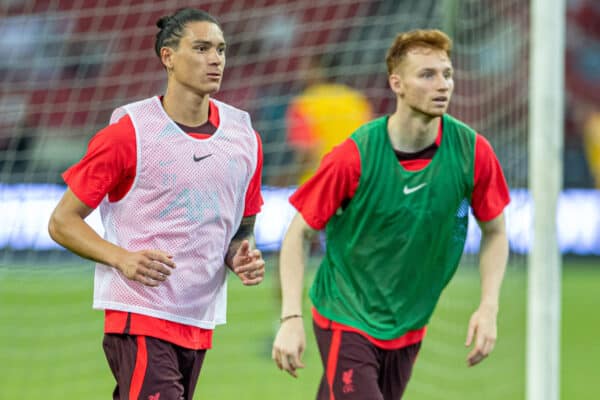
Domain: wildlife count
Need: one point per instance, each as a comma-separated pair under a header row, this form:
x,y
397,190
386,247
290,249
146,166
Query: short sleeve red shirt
x,y
338,175
109,168
336,181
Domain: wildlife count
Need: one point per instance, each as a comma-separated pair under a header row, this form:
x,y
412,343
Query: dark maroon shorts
x,y
356,369
147,368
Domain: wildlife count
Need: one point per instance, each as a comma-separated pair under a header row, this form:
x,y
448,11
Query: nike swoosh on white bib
x,y
408,190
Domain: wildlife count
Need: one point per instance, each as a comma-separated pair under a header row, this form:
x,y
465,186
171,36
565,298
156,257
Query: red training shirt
x,y
109,168
336,181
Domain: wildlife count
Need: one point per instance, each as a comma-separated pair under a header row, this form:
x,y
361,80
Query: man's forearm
x,y
244,232
292,265
492,265
76,235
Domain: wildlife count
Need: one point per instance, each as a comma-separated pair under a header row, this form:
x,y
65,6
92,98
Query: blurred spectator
x,y
586,13
270,110
14,138
582,120
322,116
591,141
583,50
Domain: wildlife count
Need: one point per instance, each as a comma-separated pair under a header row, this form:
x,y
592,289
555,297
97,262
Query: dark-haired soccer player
x,y
177,180
394,202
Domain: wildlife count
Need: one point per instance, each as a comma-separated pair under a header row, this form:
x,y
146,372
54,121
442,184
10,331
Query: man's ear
x,y
166,57
396,84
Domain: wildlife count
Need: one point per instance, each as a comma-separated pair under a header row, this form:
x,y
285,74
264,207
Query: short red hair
x,y
419,38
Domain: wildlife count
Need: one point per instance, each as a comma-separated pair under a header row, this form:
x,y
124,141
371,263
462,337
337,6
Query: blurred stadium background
x,y
66,64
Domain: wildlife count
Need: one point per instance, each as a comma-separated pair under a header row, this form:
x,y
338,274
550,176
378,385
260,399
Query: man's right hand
x,y
149,267
289,346
68,228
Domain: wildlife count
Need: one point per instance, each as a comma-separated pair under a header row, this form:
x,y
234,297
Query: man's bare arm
x,y
68,228
482,330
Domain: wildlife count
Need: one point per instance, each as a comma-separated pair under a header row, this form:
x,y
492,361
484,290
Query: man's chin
x,y
213,89
436,113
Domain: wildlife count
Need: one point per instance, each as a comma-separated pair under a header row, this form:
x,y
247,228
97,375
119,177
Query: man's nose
x,y
444,84
214,57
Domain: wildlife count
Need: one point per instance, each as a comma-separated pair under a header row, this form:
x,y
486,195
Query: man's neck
x,y
185,107
410,132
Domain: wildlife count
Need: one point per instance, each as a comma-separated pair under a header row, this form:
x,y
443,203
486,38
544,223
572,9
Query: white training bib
x,y
188,200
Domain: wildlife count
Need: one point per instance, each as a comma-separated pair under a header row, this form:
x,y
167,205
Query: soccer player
x,y
394,202
322,116
177,180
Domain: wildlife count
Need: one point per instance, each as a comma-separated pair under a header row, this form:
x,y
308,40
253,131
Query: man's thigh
x,y
396,370
149,368
351,366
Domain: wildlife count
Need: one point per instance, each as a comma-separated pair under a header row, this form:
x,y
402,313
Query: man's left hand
x,y
483,332
248,264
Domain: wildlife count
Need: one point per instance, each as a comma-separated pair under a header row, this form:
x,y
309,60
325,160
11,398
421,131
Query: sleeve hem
x,y
314,223
488,216
89,203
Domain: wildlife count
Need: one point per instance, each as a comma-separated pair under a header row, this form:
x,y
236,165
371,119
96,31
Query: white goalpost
x,y
547,45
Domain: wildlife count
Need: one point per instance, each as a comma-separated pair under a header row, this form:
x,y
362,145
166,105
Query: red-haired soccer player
x,y
177,179
394,201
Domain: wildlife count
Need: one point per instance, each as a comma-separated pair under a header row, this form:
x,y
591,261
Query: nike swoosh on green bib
x,y
399,241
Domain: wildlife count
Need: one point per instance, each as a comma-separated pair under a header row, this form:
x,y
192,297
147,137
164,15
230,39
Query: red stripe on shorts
x,y
139,371
332,359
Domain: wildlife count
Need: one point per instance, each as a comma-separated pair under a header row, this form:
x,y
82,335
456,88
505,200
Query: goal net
x,y
67,64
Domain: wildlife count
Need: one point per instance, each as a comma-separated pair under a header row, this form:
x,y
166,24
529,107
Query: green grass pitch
x,y
50,341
